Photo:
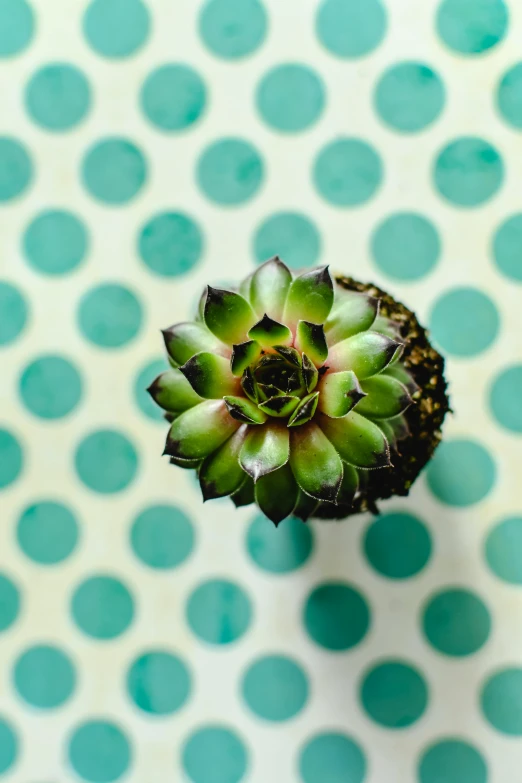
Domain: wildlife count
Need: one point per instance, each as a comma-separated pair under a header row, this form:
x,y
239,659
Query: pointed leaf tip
x,y
268,332
276,494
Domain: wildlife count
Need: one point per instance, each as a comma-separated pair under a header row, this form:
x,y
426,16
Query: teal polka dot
x,y
501,701
13,313
11,458
16,27
468,171
394,694
50,387
456,622
290,97
8,745
507,248
215,754
58,97
106,461
9,603
332,758
452,761
142,398
461,473
114,170
116,28
162,536
505,397
406,246
47,532
336,616
503,550
173,97
16,168
397,545
110,315
44,676
347,172
102,607
159,682
219,611
275,688
230,171
471,27
282,549
464,321
290,235
509,96
55,242
349,28
409,96
233,28
171,244
99,751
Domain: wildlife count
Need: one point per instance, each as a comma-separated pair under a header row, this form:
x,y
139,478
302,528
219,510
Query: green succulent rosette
x,y
285,393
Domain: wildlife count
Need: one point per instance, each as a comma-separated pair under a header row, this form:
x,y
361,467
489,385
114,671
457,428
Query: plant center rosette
x,y
294,393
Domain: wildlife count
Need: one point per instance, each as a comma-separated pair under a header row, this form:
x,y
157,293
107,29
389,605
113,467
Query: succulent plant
x,y
286,393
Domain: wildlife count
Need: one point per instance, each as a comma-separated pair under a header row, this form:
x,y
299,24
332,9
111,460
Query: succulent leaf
x,y
310,339
358,440
386,397
210,375
339,393
184,340
304,411
245,410
172,392
243,355
280,406
265,449
366,353
221,474
228,315
305,507
290,354
351,313
315,463
276,494
310,297
200,430
245,495
249,385
349,485
268,332
269,288
310,373
399,372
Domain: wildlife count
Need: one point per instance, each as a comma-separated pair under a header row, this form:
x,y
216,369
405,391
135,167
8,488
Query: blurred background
x,y
146,149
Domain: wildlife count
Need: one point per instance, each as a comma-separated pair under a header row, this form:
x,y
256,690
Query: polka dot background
x,y
147,147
